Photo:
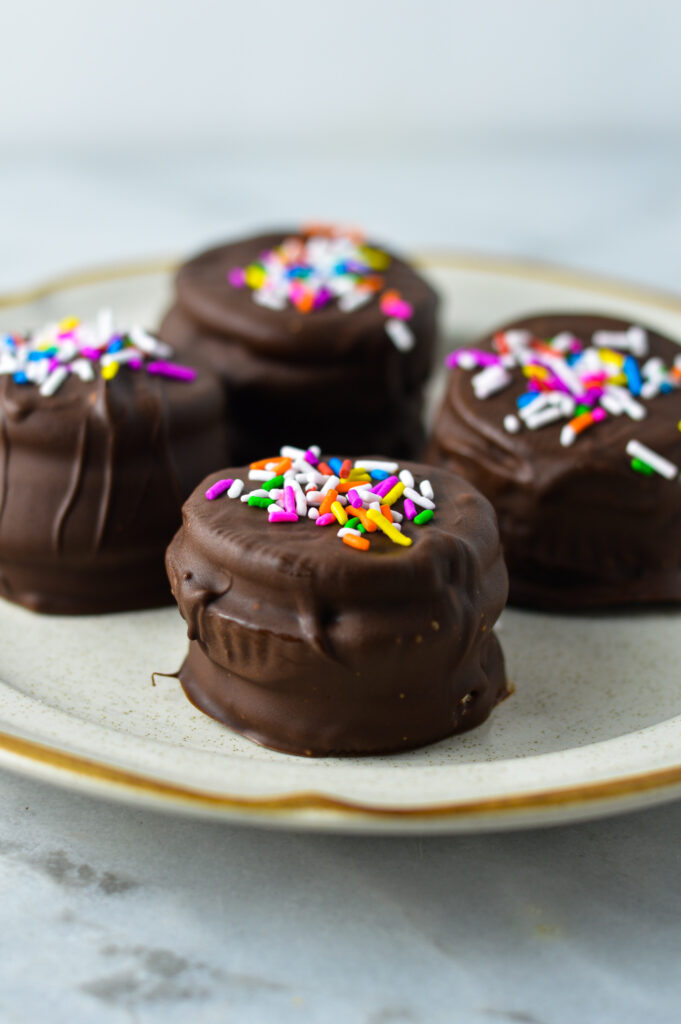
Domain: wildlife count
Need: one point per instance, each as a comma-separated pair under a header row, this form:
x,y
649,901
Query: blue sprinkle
x,y
523,400
633,375
20,377
379,474
572,358
666,387
115,346
335,465
33,357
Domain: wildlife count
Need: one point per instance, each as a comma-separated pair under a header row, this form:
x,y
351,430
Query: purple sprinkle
x,y
278,515
591,396
236,277
218,488
290,499
135,364
322,298
173,370
354,498
409,509
384,486
326,519
90,353
310,457
53,364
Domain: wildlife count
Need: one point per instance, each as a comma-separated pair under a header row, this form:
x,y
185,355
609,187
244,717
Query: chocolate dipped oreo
x,y
339,607
290,321
569,424
102,437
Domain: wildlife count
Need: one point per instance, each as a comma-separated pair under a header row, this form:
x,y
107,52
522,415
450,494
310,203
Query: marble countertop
x,y
128,917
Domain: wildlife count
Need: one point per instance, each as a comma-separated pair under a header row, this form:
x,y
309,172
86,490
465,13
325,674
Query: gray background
x,y
547,130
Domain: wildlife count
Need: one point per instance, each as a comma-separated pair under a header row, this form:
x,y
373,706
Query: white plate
x,y
593,728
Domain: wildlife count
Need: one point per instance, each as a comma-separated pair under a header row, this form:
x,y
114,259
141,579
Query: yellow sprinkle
x,y
609,356
68,323
339,512
255,276
359,473
110,370
618,378
536,372
376,259
393,494
679,424
388,529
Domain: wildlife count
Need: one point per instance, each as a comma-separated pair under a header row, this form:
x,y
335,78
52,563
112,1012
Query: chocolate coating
x,y
285,367
579,527
310,647
91,484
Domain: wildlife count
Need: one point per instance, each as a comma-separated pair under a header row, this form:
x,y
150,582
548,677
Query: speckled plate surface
x,y
594,726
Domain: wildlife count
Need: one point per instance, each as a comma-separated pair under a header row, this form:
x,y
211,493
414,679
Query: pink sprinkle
x,y
53,363
326,519
90,353
236,277
409,508
354,498
135,364
278,515
218,488
310,457
598,414
481,358
397,308
290,499
172,370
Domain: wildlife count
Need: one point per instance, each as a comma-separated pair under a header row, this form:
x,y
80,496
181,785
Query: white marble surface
x,y
115,915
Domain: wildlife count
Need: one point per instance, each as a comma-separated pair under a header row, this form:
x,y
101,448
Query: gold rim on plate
x,y
290,804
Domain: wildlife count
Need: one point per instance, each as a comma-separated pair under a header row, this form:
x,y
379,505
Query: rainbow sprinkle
x,y
567,380
322,266
47,357
359,497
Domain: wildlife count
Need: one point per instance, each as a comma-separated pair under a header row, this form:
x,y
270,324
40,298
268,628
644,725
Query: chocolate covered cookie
x,y
294,321
569,424
339,606
102,437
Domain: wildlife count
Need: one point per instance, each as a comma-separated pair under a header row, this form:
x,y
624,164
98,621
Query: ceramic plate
x,y
593,728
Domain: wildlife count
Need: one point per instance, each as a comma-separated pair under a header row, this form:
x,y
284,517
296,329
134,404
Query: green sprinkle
x,y
276,481
642,467
261,501
362,529
424,517
581,409
352,523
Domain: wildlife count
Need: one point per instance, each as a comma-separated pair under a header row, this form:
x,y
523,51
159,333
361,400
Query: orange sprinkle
x,y
261,463
282,465
329,499
345,469
361,543
345,485
363,518
581,422
385,509
322,467
304,301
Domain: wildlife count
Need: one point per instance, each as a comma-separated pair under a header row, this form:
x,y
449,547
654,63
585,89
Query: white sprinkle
x,y
68,350
490,380
355,299
567,436
236,489
511,424
397,516
653,368
269,298
147,343
657,462
426,489
276,493
542,401
54,381
313,513
562,341
467,361
517,338
407,478
508,361
255,494
375,505
348,529
314,498
544,417
301,500
611,404
124,356
650,389
260,474
8,364
388,467
315,449
83,369
288,452
400,334
628,403
634,340
331,482
418,499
